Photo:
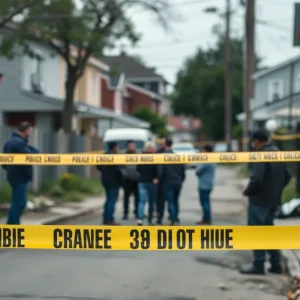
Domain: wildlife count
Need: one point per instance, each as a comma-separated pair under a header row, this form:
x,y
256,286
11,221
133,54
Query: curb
x,y
61,219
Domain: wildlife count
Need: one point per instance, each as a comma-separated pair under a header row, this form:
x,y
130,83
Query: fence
x,y
56,142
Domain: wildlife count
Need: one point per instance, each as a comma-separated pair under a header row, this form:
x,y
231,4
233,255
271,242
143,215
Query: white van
x,y
121,136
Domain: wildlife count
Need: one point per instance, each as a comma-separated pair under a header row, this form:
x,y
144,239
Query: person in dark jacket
x,y
172,177
19,176
111,177
130,182
147,186
264,191
160,200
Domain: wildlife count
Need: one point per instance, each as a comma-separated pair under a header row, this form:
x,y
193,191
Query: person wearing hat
x,y
264,190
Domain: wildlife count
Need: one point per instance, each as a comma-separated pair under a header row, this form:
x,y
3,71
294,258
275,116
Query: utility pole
x,y
250,60
227,77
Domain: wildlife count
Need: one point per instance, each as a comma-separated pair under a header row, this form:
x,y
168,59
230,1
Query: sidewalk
x,y
62,213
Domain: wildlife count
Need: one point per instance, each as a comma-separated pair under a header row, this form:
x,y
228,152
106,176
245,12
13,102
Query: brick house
x,y
184,129
144,85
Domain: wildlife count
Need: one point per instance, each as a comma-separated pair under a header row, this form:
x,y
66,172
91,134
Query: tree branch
x,y
17,11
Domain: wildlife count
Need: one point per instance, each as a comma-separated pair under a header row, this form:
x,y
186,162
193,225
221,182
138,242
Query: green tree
x,y
92,27
199,89
9,9
158,123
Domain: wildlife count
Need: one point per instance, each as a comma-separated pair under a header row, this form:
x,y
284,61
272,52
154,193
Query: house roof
x,y
184,124
283,64
130,66
88,111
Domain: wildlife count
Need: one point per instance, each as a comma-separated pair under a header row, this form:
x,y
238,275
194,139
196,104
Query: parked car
x,y
185,148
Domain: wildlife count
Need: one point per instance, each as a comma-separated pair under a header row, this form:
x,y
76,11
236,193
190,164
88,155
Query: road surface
x,y
72,275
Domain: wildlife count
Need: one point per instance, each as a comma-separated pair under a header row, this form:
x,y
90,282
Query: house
x,y
140,80
276,95
184,129
32,89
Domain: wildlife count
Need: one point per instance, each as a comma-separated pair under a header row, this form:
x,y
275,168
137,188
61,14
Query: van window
x,y
139,145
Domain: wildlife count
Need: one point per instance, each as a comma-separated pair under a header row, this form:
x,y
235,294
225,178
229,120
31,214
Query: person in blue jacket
x,y
206,177
19,176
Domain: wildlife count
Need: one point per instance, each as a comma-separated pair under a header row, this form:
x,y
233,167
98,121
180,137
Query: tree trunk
x,y
68,110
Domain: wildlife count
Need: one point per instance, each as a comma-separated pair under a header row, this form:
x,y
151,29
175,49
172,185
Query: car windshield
x,y
183,149
221,148
122,144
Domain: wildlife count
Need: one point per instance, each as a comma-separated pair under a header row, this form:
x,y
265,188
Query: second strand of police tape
x,y
150,238
121,159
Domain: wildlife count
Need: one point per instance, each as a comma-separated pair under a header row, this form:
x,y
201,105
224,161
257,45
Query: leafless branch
x,y
17,11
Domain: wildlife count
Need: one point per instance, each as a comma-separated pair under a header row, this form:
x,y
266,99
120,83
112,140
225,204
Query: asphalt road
x,y
72,275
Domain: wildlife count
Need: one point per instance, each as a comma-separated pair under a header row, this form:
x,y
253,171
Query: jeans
x,y
147,191
130,187
18,202
260,216
171,194
112,194
205,203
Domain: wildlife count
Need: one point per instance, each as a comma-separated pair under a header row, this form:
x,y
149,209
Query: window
x,y
37,74
147,86
161,88
275,90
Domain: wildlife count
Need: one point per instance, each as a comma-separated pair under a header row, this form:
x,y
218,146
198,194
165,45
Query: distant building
x,y
139,75
275,89
184,129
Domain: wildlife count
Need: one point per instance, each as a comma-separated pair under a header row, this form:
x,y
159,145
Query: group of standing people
x,y
159,185
155,184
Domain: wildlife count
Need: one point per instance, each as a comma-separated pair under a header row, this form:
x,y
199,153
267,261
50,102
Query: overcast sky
x,y
167,50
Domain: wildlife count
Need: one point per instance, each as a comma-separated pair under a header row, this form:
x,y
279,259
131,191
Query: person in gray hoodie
x,y
206,177
172,176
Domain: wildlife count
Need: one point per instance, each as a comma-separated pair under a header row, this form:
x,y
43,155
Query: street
x,y
71,275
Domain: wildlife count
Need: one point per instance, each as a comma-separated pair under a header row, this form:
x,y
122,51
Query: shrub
x,y
70,182
47,185
289,192
56,191
72,197
5,193
91,187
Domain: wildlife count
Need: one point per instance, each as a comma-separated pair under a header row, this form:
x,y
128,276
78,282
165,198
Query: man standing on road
x,y
19,176
111,177
130,183
172,177
160,200
264,190
147,186
206,177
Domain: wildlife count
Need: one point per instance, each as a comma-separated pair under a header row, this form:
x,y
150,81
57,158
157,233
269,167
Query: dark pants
x,y
205,203
260,216
171,194
130,187
160,202
18,202
147,192
112,194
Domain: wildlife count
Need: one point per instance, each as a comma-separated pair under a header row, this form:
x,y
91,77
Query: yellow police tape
x,y
150,237
144,159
